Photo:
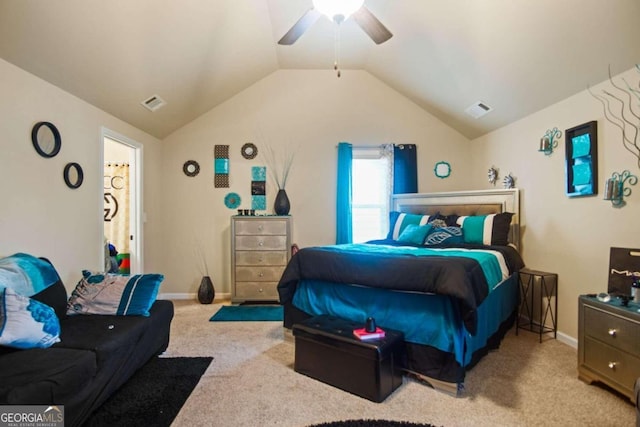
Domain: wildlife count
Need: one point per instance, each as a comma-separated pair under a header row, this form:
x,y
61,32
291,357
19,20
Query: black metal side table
x,y
547,289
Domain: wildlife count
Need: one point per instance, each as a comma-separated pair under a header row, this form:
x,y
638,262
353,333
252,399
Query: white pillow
x,y
26,323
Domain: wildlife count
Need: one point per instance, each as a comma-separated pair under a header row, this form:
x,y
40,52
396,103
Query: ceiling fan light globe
x,y
337,8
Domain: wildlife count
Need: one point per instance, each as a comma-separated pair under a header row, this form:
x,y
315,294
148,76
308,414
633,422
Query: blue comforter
x,y
467,273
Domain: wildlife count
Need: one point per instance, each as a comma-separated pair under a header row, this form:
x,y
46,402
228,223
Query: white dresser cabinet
x,y
260,250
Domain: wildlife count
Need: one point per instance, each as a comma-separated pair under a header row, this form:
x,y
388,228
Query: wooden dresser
x,y
609,343
260,250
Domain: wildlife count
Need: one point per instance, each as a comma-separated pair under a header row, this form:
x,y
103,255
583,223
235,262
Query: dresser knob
x,y
612,365
260,243
260,290
260,227
613,332
261,274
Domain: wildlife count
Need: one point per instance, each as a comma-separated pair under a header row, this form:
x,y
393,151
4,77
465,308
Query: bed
x,y
454,297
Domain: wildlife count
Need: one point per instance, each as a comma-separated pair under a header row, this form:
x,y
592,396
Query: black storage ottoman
x,y
325,349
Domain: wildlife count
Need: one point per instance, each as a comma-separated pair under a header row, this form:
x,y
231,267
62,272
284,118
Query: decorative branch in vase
x,y
617,105
279,169
206,291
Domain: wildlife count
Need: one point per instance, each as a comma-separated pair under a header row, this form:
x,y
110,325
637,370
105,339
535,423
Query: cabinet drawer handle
x,y
261,274
261,243
260,290
260,227
613,332
612,365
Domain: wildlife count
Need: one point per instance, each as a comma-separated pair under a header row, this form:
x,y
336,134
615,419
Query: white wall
x,y
312,110
568,236
39,214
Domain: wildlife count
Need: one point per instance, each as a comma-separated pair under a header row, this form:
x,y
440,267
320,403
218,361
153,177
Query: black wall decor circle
x,y
71,181
191,168
249,151
39,138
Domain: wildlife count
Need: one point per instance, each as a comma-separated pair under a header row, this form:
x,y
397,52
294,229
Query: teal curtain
x,y
343,204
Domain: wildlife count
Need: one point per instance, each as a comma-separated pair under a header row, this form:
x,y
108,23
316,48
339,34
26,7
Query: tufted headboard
x,y
480,202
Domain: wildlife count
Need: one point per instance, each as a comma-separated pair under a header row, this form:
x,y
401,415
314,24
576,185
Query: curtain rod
x,y
379,145
368,145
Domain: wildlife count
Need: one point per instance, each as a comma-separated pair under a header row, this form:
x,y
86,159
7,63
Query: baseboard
x,y
567,339
562,337
182,296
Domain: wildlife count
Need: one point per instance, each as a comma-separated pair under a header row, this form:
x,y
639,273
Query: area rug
x,y
249,313
154,395
371,423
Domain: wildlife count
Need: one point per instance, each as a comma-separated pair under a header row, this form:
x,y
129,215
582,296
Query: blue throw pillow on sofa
x,y
115,294
26,323
26,275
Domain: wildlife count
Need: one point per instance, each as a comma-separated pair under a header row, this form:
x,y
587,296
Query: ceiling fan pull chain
x,y
336,50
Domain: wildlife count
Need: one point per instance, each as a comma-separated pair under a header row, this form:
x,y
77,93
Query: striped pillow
x,y
398,221
106,293
492,229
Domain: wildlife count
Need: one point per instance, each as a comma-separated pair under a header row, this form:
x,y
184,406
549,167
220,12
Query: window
x,y
371,190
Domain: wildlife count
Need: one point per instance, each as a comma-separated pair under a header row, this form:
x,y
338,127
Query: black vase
x,y
206,291
281,205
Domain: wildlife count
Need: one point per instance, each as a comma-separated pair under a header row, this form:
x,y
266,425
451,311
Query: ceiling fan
x,y
338,11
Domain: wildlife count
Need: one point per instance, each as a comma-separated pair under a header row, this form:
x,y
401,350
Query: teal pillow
x,y
414,234
492,229
115,294
26,323
398,221
26,274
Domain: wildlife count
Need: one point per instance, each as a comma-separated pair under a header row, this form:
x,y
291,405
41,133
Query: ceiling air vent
x,y
478,110
154,103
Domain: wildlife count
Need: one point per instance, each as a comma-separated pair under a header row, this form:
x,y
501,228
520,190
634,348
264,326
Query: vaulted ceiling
x,y
517,56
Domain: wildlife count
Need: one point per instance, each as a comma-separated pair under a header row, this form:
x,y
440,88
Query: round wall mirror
x,y
442,169
191,168
249,150
73,175
46,139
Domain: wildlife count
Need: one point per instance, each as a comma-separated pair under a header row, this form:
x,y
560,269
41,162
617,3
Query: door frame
x,y
136,212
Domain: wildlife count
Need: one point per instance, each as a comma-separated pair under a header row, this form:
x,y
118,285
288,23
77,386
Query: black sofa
x,y
95,356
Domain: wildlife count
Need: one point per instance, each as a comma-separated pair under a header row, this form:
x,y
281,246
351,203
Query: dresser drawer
x,y
259,274
266,227
612,363
257,290
611,329
261,243
261,257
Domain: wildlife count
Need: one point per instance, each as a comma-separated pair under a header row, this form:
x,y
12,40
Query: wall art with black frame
x,y
581,153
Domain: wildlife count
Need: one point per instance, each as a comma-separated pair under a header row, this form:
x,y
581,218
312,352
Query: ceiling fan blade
x,y
371,25
298,29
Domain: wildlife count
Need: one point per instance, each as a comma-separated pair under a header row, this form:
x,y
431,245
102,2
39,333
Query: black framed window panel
x,y
581,157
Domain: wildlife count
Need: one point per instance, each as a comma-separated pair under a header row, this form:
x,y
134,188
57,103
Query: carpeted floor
x,y
248,313
371,423
252,383
154,395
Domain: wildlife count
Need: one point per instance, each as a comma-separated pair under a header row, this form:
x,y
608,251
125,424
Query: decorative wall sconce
x,y
509,181
492,175
549,141
615,190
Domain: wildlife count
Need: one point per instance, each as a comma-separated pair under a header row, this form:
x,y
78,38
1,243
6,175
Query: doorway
x,y
121,207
